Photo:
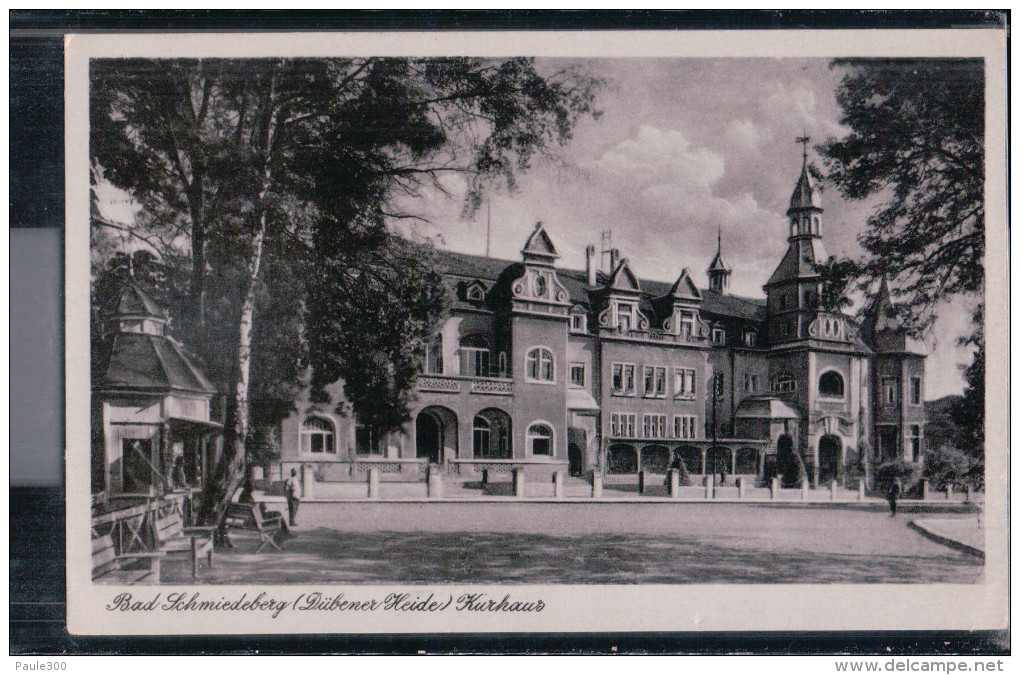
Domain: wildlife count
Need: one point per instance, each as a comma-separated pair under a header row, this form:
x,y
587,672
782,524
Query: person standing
x,y
293,497
894,493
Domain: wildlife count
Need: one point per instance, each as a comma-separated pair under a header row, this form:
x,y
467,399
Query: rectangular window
x,y
890,390
718,336
622,424
623,379
684,426
687,324
913,443
624,317
915,391
577,374
138,469
578,323
655,381
366,440
750,383
750,339
684,383
654,426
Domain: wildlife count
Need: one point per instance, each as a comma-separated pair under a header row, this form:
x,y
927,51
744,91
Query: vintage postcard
x,y
527,332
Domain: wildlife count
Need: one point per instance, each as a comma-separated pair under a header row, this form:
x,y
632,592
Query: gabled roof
x,y
539,244
683,288
466,265
150,364
623,279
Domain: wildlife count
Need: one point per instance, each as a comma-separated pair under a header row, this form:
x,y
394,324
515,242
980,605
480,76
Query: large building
x,y
542,368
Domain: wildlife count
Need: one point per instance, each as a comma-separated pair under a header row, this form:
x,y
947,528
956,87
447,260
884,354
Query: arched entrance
x,y
691,458
436,434
655,459
621,458
575,459
747,461
830,450
719,459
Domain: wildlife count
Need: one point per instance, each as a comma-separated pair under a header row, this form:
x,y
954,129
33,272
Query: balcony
x,y
455,384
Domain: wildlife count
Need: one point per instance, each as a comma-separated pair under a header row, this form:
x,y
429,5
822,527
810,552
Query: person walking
x,y
293,497
894,493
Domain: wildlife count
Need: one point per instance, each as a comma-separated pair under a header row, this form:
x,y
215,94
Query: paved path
x,y
962,533
592,543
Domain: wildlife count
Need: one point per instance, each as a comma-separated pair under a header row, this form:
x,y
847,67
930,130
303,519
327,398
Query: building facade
x,y
546,369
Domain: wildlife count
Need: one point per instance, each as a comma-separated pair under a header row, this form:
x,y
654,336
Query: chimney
x,y
614,258
589,264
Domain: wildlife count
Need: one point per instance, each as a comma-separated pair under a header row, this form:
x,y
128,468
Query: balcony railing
x,y
454,384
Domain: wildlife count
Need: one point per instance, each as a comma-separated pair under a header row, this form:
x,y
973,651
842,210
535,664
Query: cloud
x,y
745,135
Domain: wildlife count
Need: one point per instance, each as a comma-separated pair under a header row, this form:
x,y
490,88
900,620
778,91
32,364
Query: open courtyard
x,y
593,543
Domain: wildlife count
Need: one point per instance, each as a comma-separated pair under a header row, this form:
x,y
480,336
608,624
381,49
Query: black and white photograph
x,y
419,335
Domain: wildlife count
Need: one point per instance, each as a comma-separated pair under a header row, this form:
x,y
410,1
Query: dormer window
x,y
750,338
624,317
540,286
578,322
719,336
687,324
475,293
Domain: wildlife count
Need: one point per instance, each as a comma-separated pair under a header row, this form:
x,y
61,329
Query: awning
x,y
579,399
186,425
766,407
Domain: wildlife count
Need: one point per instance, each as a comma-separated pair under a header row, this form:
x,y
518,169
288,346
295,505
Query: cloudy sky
x,y
686,148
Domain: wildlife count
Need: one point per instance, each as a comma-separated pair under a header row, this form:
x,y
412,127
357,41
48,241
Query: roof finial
x,y
804,140
718,246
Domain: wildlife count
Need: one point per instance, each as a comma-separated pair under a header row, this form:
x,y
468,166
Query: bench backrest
x,y
104,557
168,527
251,514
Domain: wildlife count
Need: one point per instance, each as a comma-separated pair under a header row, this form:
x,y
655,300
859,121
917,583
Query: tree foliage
x,y
916,143
293,170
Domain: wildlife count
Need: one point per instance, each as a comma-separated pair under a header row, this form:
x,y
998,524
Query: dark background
x,y
37,585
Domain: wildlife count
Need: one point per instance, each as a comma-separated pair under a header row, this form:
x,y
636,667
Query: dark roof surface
x,y
143,362
576,283
133,301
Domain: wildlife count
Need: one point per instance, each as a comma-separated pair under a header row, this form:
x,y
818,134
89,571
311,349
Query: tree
x,y
916,142
243,156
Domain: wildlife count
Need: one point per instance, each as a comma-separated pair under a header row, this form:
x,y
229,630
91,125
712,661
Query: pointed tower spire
x,y
718,271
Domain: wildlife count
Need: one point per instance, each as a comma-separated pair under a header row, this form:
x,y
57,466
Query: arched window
x,y
784,384
831,384
318,436
491,434
540,365
474,356
540,439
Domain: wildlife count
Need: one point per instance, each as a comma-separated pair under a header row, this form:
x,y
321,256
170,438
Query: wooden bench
x,y
179,542
127,568
250,517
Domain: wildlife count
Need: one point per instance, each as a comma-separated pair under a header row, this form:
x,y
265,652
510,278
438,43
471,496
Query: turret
x,y
719,272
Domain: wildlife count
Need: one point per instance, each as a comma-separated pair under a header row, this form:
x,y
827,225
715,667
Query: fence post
x,y
860,490
596,485
924,489
558,485
434,484
774,489
674,484
949,492
642,482
307,481
833,489
373,483
970,495
485,477
741,487
710,486
804,487
519,483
